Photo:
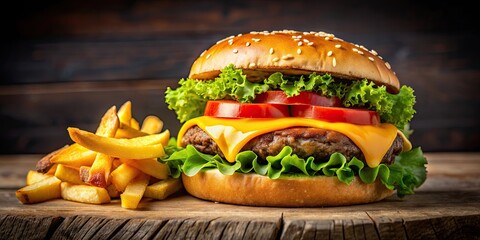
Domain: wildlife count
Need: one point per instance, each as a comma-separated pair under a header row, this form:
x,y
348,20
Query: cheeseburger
x,y
293,119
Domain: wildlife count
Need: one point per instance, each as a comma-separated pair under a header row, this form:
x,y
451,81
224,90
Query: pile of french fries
x,y
119,160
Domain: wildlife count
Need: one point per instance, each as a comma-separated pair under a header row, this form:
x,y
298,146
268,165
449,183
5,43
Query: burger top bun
x,y
262,53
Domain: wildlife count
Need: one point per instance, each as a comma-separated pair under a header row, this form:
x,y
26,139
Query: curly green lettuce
x,y
190,98
404,175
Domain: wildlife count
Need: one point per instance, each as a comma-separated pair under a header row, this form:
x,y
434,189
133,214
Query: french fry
x,y
134,191
119,160
116,163
112,191
52,170
134,124
150,146
125,131
44,164
149,166
123,175
99,172
68,174
84,193
75,155
163,189
40,191
125,113
109,124
84,172
152,125
34,176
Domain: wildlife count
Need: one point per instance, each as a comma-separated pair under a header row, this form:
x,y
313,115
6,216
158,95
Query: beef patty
x,y
304,141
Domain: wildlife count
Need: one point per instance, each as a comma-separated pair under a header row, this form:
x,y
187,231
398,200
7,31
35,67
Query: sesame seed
x,y
374,52
287,57
310,44
299,51
380,57
306,40
271,51
338,46
203,53
334,62
235,50
327,38
256,39
208,56
247,44
388,65
296,39
300,43
354,49
230,42
275,59
371,59
360,52
239,35
329,53
252,65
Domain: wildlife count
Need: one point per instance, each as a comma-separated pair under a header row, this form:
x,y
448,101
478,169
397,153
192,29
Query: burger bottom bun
x,y
257,190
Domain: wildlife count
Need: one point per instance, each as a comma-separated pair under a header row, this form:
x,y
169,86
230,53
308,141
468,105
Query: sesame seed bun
x,y
257,190
293,53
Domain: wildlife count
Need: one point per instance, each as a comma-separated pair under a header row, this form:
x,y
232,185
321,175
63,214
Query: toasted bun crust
x,y
257,190
294,53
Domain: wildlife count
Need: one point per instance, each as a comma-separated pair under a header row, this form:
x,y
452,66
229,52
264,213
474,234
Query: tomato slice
x,y
233,109
333,114
310,98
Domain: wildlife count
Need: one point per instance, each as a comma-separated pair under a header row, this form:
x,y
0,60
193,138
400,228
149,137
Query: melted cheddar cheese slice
x,y
232,134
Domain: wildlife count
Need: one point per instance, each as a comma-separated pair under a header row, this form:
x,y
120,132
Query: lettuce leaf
x,y
407,173
189,99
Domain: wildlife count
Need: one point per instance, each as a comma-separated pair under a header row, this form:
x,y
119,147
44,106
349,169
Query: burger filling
x,y
305,142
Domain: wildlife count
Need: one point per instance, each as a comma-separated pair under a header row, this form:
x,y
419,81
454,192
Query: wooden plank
x,y
27,227
110,227
132,229
438,211
294,229
147,19
420,229
390,228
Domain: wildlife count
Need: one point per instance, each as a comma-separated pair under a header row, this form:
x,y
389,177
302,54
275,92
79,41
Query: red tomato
x,y
333,114
309,98
233,109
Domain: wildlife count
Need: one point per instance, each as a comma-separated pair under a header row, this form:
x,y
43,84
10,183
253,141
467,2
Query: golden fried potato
x,y
134,191
84,193
164,188
40,191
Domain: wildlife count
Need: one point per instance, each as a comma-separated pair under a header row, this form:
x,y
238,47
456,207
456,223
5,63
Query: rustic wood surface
x,y
447,206
62,63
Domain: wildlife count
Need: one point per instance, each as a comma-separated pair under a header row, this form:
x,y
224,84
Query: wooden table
x,y
447,206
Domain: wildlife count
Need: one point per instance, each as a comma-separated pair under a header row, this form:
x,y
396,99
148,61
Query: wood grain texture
x,y
50,45
447,206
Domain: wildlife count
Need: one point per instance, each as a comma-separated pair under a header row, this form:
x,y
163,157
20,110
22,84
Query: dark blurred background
x,y
64,63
